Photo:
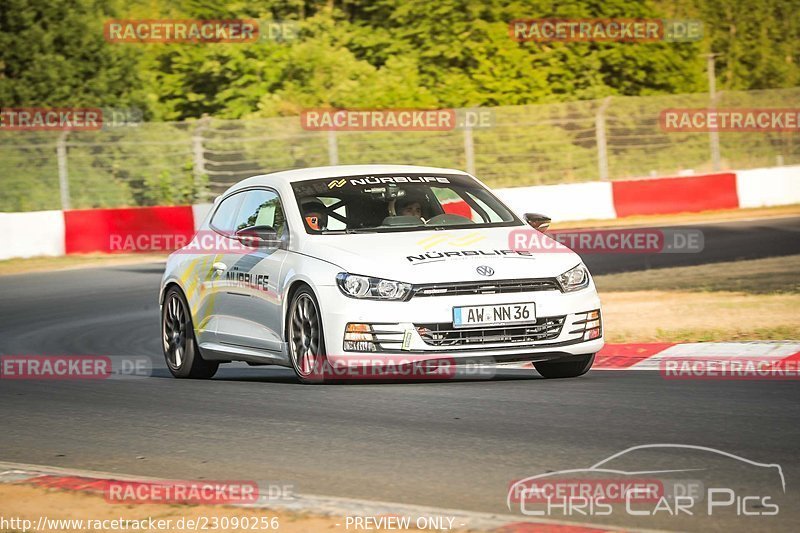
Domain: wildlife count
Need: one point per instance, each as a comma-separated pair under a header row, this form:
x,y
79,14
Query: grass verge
x,y
754,276
736,301
660,316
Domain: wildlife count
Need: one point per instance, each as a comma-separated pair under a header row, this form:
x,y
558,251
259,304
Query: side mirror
x,y
537,221
259,237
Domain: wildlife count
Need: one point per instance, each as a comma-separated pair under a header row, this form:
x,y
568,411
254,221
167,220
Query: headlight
x,y
574,279
356,286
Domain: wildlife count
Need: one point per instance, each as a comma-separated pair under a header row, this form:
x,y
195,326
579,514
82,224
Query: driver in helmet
x,y
315,214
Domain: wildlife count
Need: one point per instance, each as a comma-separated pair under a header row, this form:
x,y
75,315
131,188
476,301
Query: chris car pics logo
x,y
682,480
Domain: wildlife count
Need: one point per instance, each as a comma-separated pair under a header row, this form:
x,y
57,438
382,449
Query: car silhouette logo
x,y
484,270
604,467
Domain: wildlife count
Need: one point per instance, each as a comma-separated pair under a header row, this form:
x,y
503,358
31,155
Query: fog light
x,y
360,346
358,332
359,338
591,334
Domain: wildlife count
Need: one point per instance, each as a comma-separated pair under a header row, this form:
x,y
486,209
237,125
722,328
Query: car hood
x,y
439,256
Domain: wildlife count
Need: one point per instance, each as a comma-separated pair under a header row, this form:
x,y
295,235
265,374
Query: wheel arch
x,y
294,286
167,286
163,296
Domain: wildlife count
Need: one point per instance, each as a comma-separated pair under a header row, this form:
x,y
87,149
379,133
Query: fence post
x,y
199,162
469,149
600,136
333,148
713,135
63,172
713,140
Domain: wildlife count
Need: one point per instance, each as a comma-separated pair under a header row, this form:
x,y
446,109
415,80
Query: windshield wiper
x,y
346,231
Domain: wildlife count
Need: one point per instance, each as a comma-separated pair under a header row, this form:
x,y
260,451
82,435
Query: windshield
x,y
392,203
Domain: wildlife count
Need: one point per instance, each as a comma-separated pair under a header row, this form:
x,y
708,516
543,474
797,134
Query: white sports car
x,y
334,266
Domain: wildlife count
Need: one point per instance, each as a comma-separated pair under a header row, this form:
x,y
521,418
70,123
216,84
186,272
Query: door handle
x,y
219,267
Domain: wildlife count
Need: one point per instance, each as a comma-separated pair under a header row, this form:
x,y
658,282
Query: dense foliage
x,y
379,53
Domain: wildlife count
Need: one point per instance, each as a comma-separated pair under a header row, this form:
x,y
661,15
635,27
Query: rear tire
x,y
181,352
577,366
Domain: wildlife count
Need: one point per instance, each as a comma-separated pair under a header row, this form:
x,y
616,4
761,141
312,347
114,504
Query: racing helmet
x,y
397,205
314,213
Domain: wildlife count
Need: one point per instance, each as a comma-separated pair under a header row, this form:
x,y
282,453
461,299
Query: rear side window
x,y
224,219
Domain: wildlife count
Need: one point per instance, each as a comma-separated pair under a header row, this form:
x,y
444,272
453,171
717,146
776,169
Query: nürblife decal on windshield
x,y
378,180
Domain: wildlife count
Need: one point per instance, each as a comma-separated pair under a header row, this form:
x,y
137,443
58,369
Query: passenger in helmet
x,y
408,208
409,205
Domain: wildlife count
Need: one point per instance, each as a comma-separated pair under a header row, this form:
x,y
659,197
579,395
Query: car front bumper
x,y
400,327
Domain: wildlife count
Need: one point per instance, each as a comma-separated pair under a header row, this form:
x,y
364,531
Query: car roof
x,y
303,174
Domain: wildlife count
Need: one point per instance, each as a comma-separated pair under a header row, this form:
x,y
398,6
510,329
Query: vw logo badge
x,y
484,270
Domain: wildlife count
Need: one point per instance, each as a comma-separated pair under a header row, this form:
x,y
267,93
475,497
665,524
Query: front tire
x,y
576,366
178,342
305,337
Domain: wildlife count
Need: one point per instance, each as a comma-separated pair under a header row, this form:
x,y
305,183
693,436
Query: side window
x,y
224,217
261,208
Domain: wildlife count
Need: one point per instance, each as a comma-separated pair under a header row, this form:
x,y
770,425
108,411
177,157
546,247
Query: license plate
x,y
494,315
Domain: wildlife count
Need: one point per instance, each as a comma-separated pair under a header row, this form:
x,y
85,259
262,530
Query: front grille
x,y
485,287
444,334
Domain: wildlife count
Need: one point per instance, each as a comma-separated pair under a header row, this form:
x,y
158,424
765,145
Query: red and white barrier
x,y
37,233
570,201
675,195
762,187
127,229
160,228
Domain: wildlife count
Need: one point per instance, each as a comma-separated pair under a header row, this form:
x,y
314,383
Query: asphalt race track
x,y
729,241
456,444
